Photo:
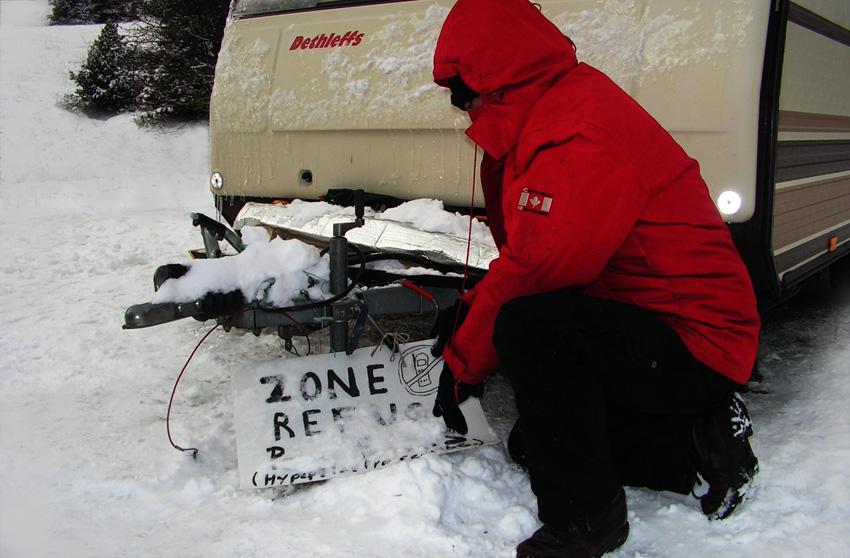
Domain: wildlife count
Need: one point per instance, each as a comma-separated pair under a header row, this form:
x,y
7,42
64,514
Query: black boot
x,y
516,445
723,458
583,539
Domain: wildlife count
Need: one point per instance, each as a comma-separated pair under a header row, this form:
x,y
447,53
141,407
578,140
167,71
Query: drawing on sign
x,y
418,371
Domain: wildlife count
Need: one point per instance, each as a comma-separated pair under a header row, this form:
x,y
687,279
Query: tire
x,y
839,281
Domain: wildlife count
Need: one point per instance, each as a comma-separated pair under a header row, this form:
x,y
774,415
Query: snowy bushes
x,y
106,83
68,12
178,44
161,66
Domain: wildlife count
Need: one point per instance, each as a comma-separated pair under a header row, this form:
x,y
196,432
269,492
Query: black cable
x,y
325,302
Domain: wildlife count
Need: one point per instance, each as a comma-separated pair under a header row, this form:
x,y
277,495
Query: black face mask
x,y
461,93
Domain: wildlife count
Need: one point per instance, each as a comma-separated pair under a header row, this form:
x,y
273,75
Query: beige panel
x,y
358,109
402,163
380,80
696,66
369,115
243,80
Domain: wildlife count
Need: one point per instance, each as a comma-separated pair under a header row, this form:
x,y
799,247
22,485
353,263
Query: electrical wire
x,y
188,360
281,310
335,298
303,332
308,306
468,238
177,382
465,267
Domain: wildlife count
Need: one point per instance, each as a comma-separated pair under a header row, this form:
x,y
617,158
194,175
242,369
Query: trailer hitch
x,y
335,314
147,314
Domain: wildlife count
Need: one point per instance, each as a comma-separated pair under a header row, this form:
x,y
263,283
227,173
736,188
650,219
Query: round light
x,y
729,202
216,181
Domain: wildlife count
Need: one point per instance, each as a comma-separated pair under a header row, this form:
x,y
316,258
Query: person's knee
x,y
529,316
509,322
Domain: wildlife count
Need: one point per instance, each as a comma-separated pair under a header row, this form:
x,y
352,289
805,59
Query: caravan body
x,y
313,96
803,222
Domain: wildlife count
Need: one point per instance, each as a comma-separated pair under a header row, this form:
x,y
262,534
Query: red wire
x,y
468,242
418,290
186,365
303,332
174,390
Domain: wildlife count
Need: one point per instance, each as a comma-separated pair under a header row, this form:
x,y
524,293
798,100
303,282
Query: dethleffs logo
x,y
351,38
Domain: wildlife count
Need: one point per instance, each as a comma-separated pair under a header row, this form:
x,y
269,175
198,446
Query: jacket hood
x,y
507,51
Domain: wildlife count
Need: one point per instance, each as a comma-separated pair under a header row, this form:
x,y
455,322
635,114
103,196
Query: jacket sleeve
x,y
565,216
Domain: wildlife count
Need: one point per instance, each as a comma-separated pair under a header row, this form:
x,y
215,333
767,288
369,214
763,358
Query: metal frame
x,y
399,297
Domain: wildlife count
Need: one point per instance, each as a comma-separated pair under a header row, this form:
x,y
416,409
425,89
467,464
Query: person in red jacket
x,y
618,306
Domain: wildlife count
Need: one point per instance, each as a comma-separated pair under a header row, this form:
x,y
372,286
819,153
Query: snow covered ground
x,y
89,208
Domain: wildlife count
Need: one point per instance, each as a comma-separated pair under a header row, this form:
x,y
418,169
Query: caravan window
x,y
248,8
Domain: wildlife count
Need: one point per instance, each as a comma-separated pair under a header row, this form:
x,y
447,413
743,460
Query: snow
x,y
429,215
88,209
424,214
290,263
400,100
632,39
279,272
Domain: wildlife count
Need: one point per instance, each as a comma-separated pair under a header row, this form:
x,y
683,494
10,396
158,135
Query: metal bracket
x,y
338,254
214,232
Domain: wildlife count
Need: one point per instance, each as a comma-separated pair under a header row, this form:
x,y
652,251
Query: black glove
x,y
214,305
445,326
450,394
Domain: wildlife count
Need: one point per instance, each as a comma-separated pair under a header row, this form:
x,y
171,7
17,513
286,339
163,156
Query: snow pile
x,y
277,272
304,212
423,214
429,215
273,272
89,209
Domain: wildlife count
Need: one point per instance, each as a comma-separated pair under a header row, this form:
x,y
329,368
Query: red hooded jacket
x,y
586,191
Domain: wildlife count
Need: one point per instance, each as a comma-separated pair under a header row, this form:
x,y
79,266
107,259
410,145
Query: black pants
x,y
607,395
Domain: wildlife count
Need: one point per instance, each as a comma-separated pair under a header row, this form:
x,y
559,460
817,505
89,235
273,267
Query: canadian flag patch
x,y
535,202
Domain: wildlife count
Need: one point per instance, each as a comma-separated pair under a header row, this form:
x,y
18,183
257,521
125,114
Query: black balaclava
x,y
461,93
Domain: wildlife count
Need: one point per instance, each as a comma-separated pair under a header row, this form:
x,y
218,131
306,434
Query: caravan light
x,y
729,202
216,181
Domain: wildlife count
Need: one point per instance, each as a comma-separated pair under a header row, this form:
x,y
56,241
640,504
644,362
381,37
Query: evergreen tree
x,y
69,12
107,83
163,68
178,46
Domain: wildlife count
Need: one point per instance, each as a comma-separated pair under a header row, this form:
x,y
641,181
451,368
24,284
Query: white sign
x,y
312,418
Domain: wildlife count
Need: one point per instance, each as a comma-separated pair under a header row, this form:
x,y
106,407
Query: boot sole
x,y
738,494
616,543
